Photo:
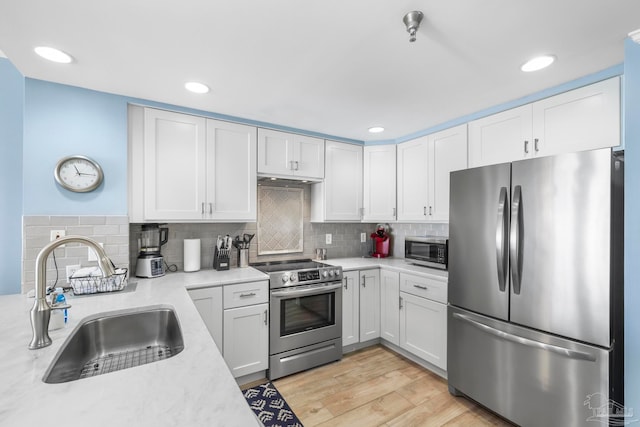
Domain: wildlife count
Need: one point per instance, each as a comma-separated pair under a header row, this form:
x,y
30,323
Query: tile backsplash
x,y
111,231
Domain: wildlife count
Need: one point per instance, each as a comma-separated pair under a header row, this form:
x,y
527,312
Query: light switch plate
x,y
363,237
92,255
328,238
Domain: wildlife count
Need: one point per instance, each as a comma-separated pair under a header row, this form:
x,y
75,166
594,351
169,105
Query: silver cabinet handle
x,y
526,147
364,281
424,288
400,298
573,354
502,238
425,211
202,208
535,145
297,165
250,294
346,284
515,240
266,316
210,208
430,211
290,164
394,212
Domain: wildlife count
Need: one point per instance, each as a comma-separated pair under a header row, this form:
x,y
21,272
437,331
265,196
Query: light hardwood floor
x,y
377,387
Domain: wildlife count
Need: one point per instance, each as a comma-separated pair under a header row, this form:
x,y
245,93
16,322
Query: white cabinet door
x,y
246,339
286,154
369,304
174,165
343,182
447,153
231,171
350,308
308,156
389,306
413,166
379,195
501,137
423,329
208,302
582,119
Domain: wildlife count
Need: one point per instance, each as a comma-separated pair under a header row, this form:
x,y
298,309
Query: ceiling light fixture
x,y
412,22
53,54
538,63
196,87
376,129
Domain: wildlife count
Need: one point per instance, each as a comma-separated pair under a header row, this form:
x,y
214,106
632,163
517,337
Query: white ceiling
x,y
335,67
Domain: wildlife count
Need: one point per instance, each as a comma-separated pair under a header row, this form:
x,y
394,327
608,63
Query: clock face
x,y
78,173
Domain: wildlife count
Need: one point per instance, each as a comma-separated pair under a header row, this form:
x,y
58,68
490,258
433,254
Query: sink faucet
x,y
41,311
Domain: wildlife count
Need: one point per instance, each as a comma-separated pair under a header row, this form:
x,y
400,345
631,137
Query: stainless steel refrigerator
x,y
536,288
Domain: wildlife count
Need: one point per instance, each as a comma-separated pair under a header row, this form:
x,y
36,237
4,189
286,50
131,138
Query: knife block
x,y
221,259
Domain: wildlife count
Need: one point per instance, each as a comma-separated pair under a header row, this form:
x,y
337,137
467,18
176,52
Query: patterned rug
x,y
270,407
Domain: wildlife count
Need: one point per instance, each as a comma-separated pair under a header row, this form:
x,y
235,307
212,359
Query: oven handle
x,y
301,292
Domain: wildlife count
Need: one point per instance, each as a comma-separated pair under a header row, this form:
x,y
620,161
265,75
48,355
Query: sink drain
x,y
126,359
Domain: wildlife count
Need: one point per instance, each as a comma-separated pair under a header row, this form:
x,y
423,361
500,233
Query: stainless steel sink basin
x,y
117,340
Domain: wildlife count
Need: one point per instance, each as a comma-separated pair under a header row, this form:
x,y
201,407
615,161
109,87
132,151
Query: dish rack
x,y
93,284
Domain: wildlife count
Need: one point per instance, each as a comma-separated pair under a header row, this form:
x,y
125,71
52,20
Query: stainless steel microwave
x,y
429,251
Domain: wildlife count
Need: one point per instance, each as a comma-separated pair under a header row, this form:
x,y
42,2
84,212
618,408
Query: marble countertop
x,y
193,388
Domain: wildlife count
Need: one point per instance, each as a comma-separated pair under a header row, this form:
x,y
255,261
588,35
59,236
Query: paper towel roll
x,y
191,255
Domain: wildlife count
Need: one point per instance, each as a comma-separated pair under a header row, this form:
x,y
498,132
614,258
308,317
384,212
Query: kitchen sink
x,y
117,340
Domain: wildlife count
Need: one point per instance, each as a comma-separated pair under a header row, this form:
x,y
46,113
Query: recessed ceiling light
x,y
273,179
196,87
538,63
53,54
376,129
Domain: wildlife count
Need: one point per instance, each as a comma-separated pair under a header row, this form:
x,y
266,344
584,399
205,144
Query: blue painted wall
x,y
11,125
632,225
62,120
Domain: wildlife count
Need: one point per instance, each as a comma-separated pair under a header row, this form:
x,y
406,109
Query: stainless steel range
x,y
306,315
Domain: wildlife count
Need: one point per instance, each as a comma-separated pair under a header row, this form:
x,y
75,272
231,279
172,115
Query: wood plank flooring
x,y
377,387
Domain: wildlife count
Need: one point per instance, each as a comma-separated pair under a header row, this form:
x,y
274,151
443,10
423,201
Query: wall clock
x,y
78,173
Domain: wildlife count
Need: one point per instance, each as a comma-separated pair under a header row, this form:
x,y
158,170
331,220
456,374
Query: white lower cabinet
x,y
237,317
350,308
423,318
369,304
208,302
389,306
246,339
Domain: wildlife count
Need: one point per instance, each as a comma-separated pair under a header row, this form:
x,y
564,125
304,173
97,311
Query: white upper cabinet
x,y
424,165
189,168
339,197
231,171
581,119
379,192
174,164
290,155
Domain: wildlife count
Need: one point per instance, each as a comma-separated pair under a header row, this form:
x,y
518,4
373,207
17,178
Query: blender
x,y
150,262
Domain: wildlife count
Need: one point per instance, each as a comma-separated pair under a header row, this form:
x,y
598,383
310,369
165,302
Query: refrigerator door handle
x,y
502,228
516,239
572,354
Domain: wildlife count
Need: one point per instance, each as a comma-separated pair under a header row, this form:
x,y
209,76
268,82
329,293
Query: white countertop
x,y
193,388
395,264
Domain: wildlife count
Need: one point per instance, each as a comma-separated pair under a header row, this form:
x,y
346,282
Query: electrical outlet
x,y
56,234
363,237
327,238
92,255
72,269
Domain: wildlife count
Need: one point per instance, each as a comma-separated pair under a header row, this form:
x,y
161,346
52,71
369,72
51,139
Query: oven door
x,y
305,315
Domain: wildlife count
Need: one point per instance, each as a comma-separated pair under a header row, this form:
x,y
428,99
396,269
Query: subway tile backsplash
x,y
111,231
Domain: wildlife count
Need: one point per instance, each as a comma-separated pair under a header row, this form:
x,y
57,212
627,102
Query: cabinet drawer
x,y
243,294
425,287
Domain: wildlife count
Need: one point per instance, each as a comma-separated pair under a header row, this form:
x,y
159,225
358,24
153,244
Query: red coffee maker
x,y
381,240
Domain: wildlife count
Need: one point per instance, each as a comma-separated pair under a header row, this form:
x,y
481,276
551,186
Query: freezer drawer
x,y
528,377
